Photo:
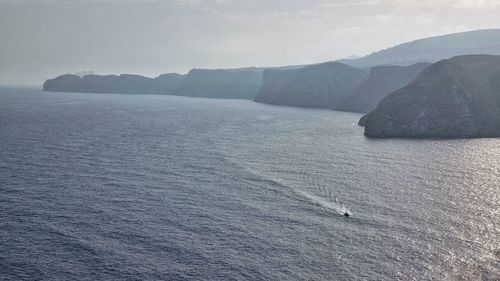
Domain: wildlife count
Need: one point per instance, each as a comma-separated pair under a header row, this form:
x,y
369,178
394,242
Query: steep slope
x,y
381,81
434,49
124,83
64,83
222,83
320,85
486,67
448,100
165,84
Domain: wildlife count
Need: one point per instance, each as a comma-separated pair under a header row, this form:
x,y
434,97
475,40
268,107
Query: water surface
x,y
131,187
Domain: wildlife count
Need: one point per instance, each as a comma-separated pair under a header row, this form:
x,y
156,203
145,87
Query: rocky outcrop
x,y
433,49
64,83
124,83
241,83
320,85
362,120
165,84
452,98
381,81
211,83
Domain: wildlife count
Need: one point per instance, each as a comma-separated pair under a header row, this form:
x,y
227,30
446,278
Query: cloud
x,y
42,38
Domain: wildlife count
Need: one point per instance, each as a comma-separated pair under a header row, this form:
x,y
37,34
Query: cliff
x,y
124,83
381,81
165,84
454,98
213,83
62,83
320,85
241,83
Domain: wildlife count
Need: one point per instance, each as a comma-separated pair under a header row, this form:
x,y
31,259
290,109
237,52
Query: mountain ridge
x,y
317,86
449,99
433,49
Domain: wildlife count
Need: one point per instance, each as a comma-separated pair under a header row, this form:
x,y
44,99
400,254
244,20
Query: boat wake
x,y
335,206
259,179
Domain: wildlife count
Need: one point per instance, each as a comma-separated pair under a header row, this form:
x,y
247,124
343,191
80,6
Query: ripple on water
x,y
171,188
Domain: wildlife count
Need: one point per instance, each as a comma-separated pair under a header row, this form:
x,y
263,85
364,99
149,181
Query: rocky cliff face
x,y
124,83
381,81
452,98
222,83
320,85
212,83
165,83
64,83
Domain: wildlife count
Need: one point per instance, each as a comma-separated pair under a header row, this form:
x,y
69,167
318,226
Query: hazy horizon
x,y
45,38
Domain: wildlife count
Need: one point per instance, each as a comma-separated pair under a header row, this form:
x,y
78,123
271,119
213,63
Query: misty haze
x,y
249,140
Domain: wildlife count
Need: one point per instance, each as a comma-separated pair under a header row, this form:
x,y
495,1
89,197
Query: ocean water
x,y
131,187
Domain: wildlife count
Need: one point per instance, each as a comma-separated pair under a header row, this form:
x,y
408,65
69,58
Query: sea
x,y
157,187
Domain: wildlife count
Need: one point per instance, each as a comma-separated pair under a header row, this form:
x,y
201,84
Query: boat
x,y
346,211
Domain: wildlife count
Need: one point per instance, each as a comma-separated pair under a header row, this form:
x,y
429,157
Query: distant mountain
x,y
319,85
348,84
390,69
434,49
124,83
458,97
66,82
165,84
240,83
381,81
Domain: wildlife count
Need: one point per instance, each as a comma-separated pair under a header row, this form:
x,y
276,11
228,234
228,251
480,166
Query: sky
x,y
41,39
